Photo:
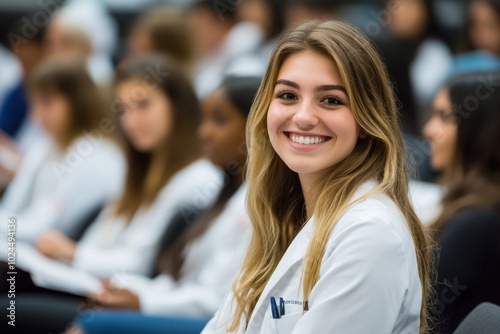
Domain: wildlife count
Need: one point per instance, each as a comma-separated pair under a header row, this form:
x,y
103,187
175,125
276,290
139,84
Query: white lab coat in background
x,y
243,39
211,263
426,200
368,282
58,190
112,245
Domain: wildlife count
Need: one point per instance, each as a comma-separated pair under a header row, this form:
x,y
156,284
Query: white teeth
x,y
306,140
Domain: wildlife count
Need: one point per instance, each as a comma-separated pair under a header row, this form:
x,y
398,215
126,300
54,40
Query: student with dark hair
x,y
270,17
29,52
14,121
482,28
418,61
76,168
464,146
219,39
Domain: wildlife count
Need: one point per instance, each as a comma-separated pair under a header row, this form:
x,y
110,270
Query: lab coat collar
x,y
291,259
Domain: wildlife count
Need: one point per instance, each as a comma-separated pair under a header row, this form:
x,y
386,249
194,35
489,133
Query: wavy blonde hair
x,y
275,201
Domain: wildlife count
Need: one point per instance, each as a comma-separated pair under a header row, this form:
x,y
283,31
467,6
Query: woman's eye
x,y
445,117
332,101
143,104
120,110
220,120
287,96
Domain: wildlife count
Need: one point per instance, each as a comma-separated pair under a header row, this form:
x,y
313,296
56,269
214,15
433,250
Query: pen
x,y
282,307
274,309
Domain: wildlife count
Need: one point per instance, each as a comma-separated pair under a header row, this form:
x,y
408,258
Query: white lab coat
x,y
210,265
112,245
57,190
368,281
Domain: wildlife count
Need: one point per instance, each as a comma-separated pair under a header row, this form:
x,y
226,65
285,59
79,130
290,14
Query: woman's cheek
x,y
278,114
342,125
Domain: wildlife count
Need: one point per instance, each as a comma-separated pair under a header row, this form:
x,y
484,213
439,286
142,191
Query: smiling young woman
x,y
335,239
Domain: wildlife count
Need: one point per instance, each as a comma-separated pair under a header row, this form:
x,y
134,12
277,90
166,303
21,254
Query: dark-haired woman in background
x,y
482,28
417,59
73,171
198,268
479,47
465,134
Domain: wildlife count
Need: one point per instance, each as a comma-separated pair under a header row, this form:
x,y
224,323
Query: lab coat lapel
x,y
293,257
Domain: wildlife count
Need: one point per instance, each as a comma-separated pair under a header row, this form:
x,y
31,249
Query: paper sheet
x,y
51,274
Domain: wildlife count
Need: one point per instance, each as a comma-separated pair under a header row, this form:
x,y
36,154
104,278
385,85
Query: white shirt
x,y
114,246
209,268
57,190
429,70
368,281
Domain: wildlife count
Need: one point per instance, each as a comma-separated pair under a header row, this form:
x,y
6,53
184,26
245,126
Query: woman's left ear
x,y
362,134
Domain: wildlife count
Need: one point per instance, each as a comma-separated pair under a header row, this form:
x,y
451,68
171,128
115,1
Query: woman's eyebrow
x,y
321,88
331,87
287,83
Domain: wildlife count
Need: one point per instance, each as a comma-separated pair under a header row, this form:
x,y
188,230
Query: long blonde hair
x,y
275,201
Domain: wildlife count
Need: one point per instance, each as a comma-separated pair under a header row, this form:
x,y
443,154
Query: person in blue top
x,y
29,51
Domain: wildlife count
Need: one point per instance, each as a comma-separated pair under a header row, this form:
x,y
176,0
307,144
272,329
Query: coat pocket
x,y
286,323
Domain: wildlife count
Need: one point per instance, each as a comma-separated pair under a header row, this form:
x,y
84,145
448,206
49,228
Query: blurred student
x,y
299,11
159,116
198,268
464,146
336,246
269,16
479,48
76,167
29,53
162,31
417,59
14,120
84,30
219,39
482,28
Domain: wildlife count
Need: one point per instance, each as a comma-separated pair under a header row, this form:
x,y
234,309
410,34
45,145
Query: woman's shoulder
x,y
378,211
372,206
199,183
200,172
378,219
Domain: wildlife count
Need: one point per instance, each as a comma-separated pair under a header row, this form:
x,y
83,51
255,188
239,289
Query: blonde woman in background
x,y
337,247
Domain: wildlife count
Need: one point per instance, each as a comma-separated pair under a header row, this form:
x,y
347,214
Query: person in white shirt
x,y
76,167
220,40
336,246
84,29
159,117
